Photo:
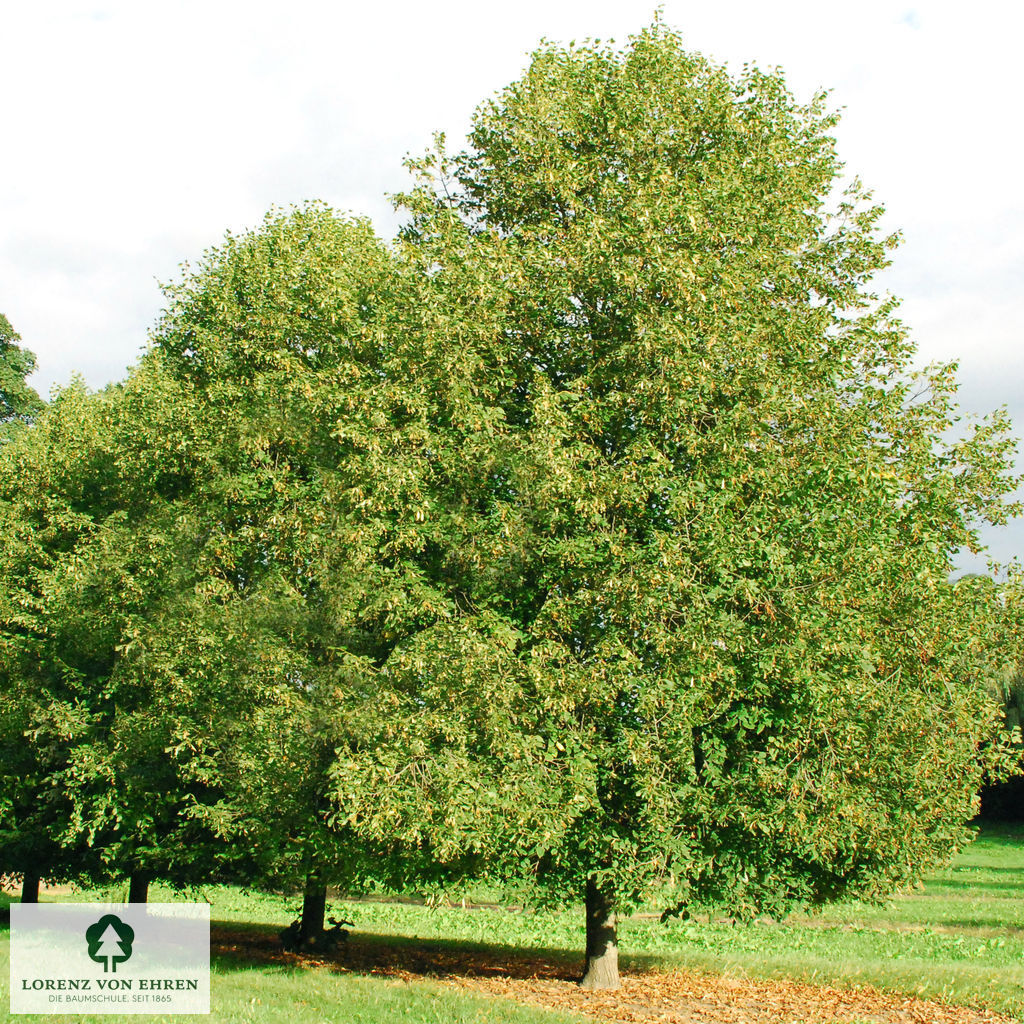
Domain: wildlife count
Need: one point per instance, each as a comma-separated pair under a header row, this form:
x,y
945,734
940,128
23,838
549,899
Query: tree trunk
x,y
138,888
30,889
314,907
602,968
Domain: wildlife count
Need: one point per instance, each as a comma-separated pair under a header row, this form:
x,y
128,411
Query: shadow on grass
x,y
994,831
1008,887
237,946
995,869
996,925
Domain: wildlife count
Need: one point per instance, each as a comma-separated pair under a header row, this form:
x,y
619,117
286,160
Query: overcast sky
x,y
136,133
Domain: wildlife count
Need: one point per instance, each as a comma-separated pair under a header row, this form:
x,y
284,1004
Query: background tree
x,y
18,401
1002,798
703,648
102,550
41,518
101,546
218,595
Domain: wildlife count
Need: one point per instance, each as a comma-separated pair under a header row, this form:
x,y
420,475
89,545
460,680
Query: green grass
x,y
959,939
275,994
270,995
288,995
264,995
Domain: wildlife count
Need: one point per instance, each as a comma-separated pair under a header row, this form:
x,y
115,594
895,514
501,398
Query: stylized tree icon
x,y
110,942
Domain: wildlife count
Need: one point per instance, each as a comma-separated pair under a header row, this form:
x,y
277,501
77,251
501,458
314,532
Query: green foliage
x,y
1009,689
688,628
92,551
600,527
182,617
18,402
280,333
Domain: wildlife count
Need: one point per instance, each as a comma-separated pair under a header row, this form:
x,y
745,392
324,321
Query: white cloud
x,y
135,134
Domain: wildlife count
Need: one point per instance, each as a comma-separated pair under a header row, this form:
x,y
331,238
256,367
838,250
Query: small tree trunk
x,y
314,907
602,968
138,888
30,889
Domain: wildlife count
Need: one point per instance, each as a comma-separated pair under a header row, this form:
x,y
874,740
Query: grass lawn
x,y
288,994
960,939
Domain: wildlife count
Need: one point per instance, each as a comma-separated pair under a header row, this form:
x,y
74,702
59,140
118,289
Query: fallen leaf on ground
x,y
646,997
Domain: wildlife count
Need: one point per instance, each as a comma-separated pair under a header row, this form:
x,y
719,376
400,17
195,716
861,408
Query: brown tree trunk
x,y
30,889
138,888
602,967
314,907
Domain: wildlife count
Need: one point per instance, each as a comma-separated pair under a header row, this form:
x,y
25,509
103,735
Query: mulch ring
x,y
646,997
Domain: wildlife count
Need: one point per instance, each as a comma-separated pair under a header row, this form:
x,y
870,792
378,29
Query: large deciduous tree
x,y
243,553
282,333
684,631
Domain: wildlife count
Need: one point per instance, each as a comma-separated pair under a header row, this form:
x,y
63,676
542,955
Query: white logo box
x,y
110,958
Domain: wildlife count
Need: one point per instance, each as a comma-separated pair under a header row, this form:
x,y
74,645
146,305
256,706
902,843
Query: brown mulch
x,y
646,997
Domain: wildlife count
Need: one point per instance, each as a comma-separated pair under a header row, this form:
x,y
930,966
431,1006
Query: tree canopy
x,y
705,647
594,538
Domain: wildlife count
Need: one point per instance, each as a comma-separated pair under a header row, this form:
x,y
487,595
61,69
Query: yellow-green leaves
x,y
599,526
714,511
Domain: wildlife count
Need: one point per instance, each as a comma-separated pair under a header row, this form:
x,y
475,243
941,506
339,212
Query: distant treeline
x,y
1005,801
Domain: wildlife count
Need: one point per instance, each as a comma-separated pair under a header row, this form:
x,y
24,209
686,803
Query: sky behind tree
x,y
136,134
